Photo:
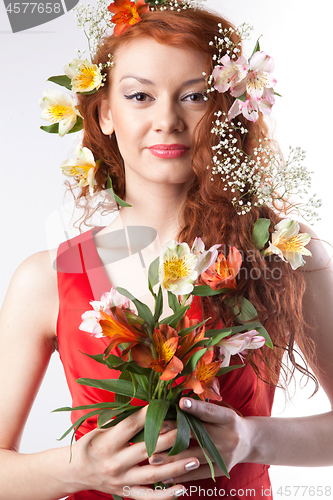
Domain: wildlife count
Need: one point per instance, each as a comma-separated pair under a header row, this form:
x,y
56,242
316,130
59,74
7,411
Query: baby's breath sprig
x,y
95,23
177,5
263,178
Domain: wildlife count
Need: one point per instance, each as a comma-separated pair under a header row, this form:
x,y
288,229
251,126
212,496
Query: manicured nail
x,y
168,481
178,493
187,403
157,460
191,466
165,428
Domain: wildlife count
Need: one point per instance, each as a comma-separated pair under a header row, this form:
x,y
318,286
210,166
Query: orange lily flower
x,y
222,274
203,381
166,343
116,327
126,13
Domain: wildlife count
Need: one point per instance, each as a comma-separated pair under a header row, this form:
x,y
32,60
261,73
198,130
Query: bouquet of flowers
x,y
162,358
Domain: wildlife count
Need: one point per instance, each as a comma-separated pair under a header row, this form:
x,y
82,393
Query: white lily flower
x,y
239,344
205,257
85,76
59,108
177,271
288,244
84,168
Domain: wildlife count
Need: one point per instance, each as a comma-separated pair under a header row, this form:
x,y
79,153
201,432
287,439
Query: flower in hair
x,y
230,73
59,108
288,244
126,13
84,168
85,77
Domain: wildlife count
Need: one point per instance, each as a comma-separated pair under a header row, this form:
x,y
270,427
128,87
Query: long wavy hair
x,y
270,284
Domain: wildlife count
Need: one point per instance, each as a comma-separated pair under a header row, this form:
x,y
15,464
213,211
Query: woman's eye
x,y
196,97
138,96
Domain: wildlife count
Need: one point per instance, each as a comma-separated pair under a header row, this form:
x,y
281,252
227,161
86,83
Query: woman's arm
x,y
102,460
304,441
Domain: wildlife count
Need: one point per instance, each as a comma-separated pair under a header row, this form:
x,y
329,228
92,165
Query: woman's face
x,y
155,101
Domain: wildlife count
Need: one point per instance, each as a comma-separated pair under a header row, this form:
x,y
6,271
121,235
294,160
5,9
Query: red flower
x,y
126,13
222,274
203,381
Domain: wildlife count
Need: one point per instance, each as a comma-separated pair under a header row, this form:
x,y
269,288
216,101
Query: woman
x,y
156,98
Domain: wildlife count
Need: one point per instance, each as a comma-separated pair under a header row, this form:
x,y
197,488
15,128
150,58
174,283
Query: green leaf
x,y
227,369
207,291
88,407
199,430
143,380
257,46
109,188
120,398
77,424
117,386
186,331
173,302
106,415
143,309
214,340
117,497
138,370
158,305
153,274
119,418
54,128
62,80
201,444
244,312
174,319
276,93
183,434
192,362
264,333
138,438
260,233
155,415
242,97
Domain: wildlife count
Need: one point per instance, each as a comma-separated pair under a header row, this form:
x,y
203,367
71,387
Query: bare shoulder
x,y
321,250
34,288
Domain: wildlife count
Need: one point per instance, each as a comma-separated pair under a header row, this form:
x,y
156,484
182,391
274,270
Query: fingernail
x,y
191,466
165,428
187,403
157,460
177,493
168,481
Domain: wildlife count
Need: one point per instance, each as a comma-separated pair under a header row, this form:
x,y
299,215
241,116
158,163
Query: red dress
x,y
82,278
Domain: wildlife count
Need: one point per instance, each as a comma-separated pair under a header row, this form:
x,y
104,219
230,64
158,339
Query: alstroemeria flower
x,y
85,76
126,13
205,258
166,343
203,380
251,107
288,244
222,274
110,299
84,168
230,73
187,343
177,269
59,108
258,77
239,344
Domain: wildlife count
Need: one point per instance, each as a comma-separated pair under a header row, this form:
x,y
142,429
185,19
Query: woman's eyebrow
x,y
149,82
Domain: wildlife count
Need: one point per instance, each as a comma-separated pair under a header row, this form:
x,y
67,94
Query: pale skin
x,y
102,460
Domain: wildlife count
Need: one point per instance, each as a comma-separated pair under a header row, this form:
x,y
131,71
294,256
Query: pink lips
x,y
168,150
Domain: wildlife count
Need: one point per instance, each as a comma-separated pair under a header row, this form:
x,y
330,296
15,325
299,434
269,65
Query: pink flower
x,y
258,78
239,344
205,258
251,107
230,73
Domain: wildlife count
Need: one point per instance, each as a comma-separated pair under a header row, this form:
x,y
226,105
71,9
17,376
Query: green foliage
x,y
156,412
110,190
260,233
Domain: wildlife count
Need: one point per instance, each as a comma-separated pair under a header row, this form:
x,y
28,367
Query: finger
x,y
203,472
148,474
164,458
139,492
118,436
208,412
168,425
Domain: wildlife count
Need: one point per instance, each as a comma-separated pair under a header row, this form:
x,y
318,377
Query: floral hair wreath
x,y
250,82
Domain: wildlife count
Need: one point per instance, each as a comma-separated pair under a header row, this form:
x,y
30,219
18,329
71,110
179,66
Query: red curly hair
x,y
208,212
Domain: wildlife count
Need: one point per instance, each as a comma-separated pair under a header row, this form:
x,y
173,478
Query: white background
x,y
295,32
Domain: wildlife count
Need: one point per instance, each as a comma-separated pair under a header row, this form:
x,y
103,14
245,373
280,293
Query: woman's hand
x,y
104,460
230,433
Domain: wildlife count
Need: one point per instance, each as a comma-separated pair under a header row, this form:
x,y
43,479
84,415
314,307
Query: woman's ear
x,y
105,117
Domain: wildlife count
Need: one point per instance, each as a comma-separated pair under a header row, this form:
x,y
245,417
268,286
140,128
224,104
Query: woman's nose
x,y
168,117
